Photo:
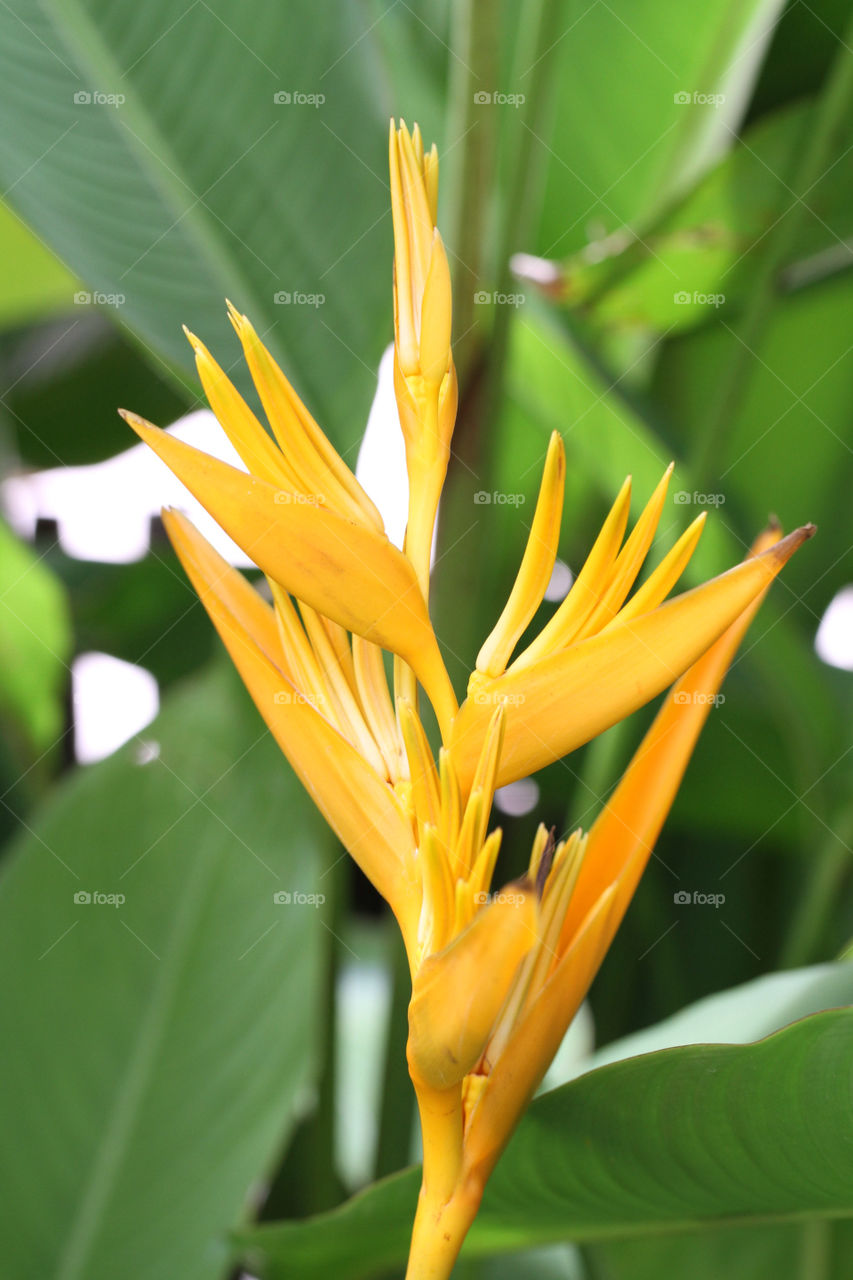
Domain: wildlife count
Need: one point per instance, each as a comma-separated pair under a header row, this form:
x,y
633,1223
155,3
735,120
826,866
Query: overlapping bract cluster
x,y
496,978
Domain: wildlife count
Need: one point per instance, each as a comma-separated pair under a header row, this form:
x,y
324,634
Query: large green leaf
x,y
145,145
155,1048
623,143
697,1135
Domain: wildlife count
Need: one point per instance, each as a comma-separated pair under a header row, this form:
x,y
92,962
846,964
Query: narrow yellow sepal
x,y
537,565
587,589
436,315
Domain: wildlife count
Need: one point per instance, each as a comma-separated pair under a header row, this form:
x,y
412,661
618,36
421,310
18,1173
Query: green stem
x,y
807,166
481,365
470,164
807,940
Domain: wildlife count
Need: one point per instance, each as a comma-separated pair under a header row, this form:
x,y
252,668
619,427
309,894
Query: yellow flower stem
x,y
439,1233
448,1202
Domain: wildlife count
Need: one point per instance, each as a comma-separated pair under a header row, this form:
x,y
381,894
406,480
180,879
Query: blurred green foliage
x,y
687,177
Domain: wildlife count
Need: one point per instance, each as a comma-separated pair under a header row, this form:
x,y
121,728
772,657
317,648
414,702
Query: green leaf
x,y
699,1135
697,258
35,644
162,1042
149,152
623,145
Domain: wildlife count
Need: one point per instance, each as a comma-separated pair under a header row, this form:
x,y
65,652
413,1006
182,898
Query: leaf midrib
x,y
129,1096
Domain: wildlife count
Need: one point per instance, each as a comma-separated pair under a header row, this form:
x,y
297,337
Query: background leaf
x,y
168,1039
665,1141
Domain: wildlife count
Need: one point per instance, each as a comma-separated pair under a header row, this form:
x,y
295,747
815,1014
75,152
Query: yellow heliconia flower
x,y
496,977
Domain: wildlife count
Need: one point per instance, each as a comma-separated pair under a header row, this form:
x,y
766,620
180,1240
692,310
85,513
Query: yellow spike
x,y
659,584
431,180
324,473
418,218
340,641
421,766
348,711
451,801
304,669
628,562
480,879
407,342
237,420
474,820
371,684
436,315
452,1011
540,842
438,904
586,591
537,565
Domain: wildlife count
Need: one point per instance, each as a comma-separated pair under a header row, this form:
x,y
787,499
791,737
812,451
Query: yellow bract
x,y
496,977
